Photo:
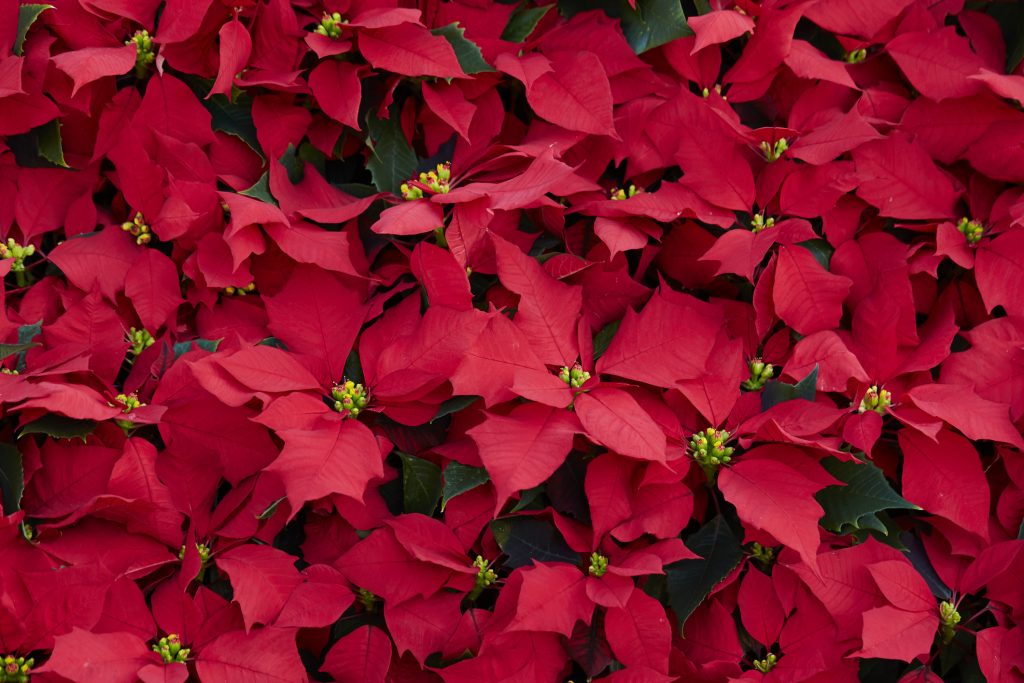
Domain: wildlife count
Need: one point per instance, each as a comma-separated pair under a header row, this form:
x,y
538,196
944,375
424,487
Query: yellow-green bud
x,y
855,56
760,372
767,664
759,222
773,152
330,25
763,554
949,617
144,53
367,599
709,450
973,231
876,399
485,576
140,340
575,376
618,194
349,398
598,564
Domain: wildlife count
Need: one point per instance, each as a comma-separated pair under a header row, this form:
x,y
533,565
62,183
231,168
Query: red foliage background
x,y
712,323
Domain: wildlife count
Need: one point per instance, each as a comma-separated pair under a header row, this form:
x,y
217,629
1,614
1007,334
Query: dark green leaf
x,y
204,344
293,164
27,15
776,392
525,539
454,405
459,478
12,478
690,581
918,557
11,349
1010,17
522,22
603,338
393,161
821,251
466,51
421,484
27,333
855,505
272,341
529,499
652,23
233,118
59,427
354,368
271,509
49,146
260,190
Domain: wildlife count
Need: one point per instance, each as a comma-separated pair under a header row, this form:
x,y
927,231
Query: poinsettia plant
x,y
519,340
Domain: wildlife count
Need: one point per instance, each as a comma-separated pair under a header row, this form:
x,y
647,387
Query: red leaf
x,y
154,287
524,448
362,656
806,296
553,598
761,611
837,137
265,368
444,280
973,415
903,586
79,655
450,105
103,260
340,457
262,578
718,26
613,418
646,348
423,625
337,89
777,499
317,602
938,64
575,94
267,655
548,309
945,477
235,47
639,633
410,218
89,64
891,633
411,50
901,180
998,266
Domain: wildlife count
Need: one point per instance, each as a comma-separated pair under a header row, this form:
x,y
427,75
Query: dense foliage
x,y
478,341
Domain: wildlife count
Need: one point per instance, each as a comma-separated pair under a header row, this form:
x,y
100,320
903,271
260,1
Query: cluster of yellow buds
x,y
759,222
202,548
855,56
16,252
876,399
618,194
138,228
760,372
140,340
240,291
367,599
575,376
170,650
16,669
330,25
129,401
485,576
349,398
773,152
717,89
767,664
709,450
950,618
972,230
8,371
598,564
429,183
144,53
764,554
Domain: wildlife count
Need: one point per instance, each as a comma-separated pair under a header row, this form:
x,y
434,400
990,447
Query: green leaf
x,y
652,23
525,539
603,338
27,333
59,427
49,143
522,22
271,509
421,484
12,478
27,15
855,506
820,249
205,344
454,405
466,51
7,350
393,161
776,392
690,581
260,190
272,342
233,118
459,478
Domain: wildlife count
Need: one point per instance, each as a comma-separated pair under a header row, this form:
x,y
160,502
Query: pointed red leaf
x,y
362,656
553,598
891,633
411,50
901,180
806,296
262,578
79,655
267,655
639,633
235,47
614,418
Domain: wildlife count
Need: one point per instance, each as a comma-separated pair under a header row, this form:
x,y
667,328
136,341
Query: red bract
x,y
627,340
